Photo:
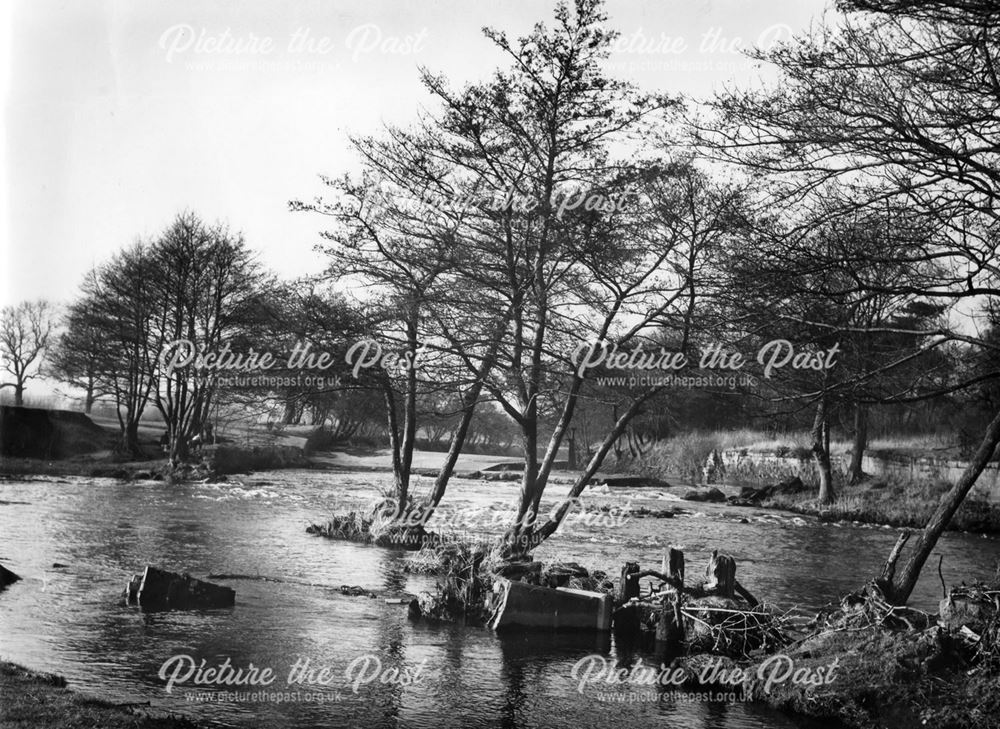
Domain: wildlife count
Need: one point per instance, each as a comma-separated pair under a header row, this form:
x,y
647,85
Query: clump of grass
x,y
444,557
380,524
465,572
759,440
683,455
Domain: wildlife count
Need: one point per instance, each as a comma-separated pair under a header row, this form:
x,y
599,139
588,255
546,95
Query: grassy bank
x,y
883,500
91,467
212,461
29,699
891,503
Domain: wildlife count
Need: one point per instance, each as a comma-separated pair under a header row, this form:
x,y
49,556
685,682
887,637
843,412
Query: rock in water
x,y
7,577
157,589
712,494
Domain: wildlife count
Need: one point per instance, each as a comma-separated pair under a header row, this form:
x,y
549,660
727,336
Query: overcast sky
x,y
120,114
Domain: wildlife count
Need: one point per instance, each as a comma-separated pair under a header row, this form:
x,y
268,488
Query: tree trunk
x,y
901,586
289,416
469,403
130,438
409,434
618,448
400,476
550,526
178,447
856,473
525,522
821,454
18,395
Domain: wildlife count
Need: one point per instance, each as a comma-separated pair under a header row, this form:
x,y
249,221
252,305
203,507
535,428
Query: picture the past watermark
x,y
303,680
600,356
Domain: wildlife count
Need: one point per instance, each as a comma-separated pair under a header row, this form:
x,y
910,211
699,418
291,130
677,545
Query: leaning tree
x,y
900,101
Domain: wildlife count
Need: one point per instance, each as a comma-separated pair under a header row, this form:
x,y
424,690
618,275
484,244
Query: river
x,y
66,619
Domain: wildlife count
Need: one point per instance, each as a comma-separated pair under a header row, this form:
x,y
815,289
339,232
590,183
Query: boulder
x,y
7,577
560,575
631,482
501,475
525,571
157,590
642,512
752,496
791,485
711,495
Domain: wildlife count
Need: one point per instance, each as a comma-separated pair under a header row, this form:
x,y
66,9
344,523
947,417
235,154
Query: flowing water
x,y
66,619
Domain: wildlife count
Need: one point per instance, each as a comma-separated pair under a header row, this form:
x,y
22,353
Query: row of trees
x,y
553,210
195,282
852,204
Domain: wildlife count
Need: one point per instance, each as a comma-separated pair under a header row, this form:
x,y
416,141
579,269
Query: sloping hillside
x,y
35,433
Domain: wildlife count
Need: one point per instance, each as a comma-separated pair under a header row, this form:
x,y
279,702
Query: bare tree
x,y
76,359
203,291
24,335
117,300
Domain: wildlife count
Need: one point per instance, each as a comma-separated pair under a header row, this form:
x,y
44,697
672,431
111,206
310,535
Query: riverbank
x,y
890,504
88,467
884,667
29,699
213,462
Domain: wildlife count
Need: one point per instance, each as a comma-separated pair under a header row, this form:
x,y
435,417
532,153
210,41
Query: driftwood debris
x,y
157,590
718,612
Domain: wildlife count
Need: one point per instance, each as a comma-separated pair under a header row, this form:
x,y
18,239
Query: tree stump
x,y
721,575
670,628
626,623
628,588
675,565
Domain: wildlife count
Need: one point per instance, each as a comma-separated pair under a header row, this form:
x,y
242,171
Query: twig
x,y
663,578
944,589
